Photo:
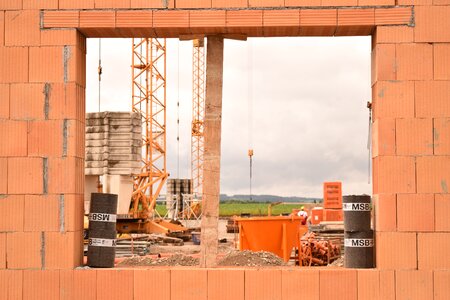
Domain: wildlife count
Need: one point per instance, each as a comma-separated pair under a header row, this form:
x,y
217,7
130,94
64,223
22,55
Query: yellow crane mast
x,y
198,116
149,100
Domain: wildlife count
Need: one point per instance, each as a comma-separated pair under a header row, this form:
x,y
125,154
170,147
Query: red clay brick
x,y
265,3
262,284
442,211
281,22
76,4
67,101
299,3
375,2
231,281
114,284
134,18
339,2
428,244
30,96
188,284
441,136
41,213
414,136
441,279
193,3
432,174
73,211
384,65
432,98
43,67
396,250
2,28
166,19
155,280
383,137
441,61
59,37
11,4
23,251
39,4
393,16
369,284
40,285
61,18
333,215
97,19
63,250
417,3
25,175
11,284
318,22
11,212
4,101
344,281
295,280
3,176
394,174
244,21
14,62
385,206
410,212
22,28
414,284
65,175
229,3
355,21
45,138
79,284
75,139
112,3
13,138
394,34
431,23
2,251
387,285
414,61
152,4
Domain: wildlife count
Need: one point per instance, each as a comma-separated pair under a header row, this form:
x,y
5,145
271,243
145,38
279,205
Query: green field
x,y
254,208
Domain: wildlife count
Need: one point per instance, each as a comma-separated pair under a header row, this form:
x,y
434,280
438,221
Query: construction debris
x,y
140,244
318,252
174,260
249,258
232,226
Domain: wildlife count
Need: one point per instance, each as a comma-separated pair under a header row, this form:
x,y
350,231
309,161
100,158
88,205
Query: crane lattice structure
x,y
198,116
149,100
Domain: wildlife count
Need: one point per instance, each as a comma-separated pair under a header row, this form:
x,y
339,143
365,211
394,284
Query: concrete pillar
x,y
211,166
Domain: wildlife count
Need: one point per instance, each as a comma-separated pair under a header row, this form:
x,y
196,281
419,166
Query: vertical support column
x,y
211,171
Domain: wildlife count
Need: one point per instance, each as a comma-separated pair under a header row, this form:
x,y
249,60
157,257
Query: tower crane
x,y
198,116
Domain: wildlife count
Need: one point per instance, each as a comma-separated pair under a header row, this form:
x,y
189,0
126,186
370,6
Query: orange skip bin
x,y
273,234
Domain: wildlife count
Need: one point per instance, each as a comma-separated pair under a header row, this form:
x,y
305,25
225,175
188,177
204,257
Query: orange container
x,y
273,234
316,215
332,195
333,215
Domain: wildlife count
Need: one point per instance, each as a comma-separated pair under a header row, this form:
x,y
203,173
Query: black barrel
x,y
102,230
356,212
358,249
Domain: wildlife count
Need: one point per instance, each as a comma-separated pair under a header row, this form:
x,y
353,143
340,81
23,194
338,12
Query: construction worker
x,y
303,214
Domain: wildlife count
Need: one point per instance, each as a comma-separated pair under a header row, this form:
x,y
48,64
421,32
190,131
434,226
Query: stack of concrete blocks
x,y
113,150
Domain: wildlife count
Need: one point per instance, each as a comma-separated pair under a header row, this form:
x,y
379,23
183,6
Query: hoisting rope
x,y
369,141
99,71
250,111
178,110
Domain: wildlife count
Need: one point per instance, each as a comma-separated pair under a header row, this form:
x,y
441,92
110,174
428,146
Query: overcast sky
x,y
309,124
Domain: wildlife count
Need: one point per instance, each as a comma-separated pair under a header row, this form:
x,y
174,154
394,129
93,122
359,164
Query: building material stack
x,y
332,201
113,150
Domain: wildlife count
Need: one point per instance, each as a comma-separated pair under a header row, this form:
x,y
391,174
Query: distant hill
x,y
269,198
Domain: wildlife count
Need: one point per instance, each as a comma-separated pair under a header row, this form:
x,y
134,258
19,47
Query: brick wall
x,y
42,107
